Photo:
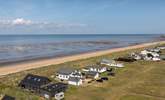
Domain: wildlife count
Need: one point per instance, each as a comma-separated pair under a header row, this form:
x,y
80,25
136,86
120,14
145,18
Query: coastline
x,y
18,67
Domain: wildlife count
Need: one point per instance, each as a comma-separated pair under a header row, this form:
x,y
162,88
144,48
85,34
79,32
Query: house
x,y
147,58
161,47
148,55
146,52
7,97
33,82
155,54
95,68
76,73
64,73
75,81
92,75
53,89
111,63
136,56
157,50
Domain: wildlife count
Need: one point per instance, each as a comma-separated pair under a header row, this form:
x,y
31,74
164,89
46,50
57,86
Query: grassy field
x,y
140,80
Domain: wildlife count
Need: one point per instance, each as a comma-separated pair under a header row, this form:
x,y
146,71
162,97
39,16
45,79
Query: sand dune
x,y
8,69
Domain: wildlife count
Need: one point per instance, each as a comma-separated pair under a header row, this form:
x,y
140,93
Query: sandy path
x,y
4,70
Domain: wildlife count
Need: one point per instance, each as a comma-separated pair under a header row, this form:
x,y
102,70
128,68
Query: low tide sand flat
x,y
8,69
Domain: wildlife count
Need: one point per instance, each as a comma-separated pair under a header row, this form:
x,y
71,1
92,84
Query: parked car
x,y
105,78
99,80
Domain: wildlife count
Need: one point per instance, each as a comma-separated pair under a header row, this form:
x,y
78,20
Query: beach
x,y
18,67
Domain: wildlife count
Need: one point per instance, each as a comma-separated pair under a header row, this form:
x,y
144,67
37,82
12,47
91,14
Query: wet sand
x,y
17,67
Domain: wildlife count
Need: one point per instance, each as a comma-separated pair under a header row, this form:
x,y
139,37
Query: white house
x,y
64,73
92,75
155,54
76,73
75,81
146,52
95,68
145,57
148,55
111,63
74,77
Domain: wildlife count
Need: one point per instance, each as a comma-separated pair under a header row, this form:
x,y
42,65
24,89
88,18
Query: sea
x,y
17,48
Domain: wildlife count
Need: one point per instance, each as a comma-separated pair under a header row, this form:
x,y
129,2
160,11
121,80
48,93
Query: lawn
x,y
140,80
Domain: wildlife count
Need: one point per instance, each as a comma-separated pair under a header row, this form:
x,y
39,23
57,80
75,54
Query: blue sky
x,y
82,16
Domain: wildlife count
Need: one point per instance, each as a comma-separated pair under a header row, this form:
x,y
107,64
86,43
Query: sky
x,y
82,16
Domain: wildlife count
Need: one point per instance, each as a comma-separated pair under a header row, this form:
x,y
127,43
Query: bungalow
x,y
92,75
111,63
75,81
64,73
33,82
53,89
95,68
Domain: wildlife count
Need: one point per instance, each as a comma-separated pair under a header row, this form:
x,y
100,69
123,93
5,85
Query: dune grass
x,y
140,80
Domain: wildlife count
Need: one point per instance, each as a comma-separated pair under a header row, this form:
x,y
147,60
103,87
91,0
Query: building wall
x,y
75,83
97,75
63,77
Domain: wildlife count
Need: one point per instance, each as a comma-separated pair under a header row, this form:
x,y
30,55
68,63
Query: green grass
x,y
139,80
135,97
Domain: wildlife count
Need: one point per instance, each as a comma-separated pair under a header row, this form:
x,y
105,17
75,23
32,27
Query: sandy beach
x,y
13,68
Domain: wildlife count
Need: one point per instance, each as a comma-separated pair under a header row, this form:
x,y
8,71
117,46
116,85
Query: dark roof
x,y
6,97
91,73
74,79
93,66
55,87
35,79
65,71
77,73
107,61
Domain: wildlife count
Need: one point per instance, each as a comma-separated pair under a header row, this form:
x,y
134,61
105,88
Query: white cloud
x,y
24,25
21,21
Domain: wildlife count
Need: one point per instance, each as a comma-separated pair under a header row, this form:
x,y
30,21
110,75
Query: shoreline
x,y
27,65
11,62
